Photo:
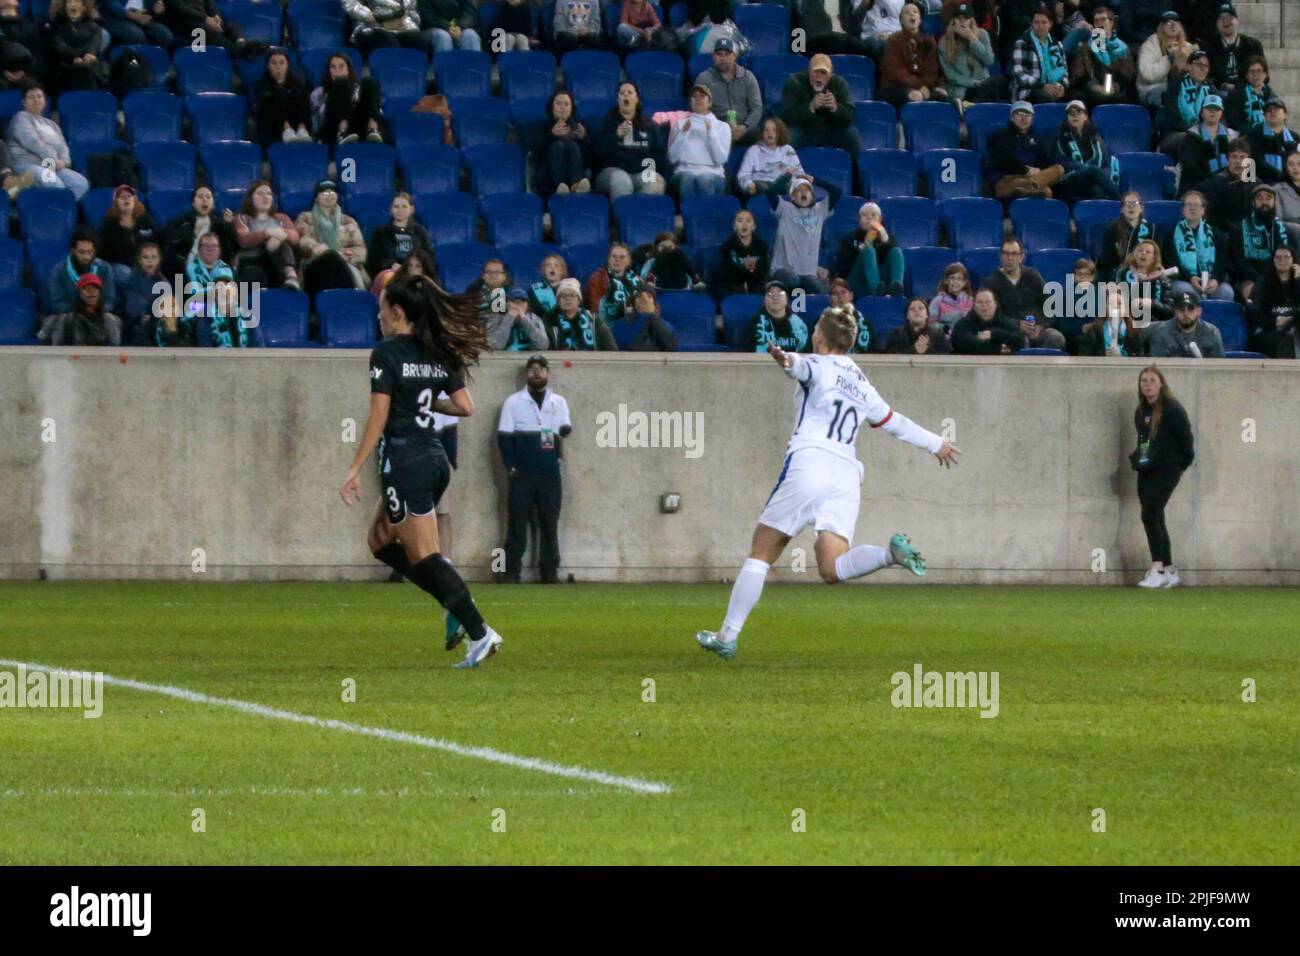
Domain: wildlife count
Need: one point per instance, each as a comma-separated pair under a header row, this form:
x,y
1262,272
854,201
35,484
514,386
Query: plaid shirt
x,y
1026,71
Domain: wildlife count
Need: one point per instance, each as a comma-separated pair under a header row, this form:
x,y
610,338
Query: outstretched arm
x,y
904,429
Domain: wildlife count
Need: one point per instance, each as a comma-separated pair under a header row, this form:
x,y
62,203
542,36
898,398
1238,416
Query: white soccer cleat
x,y
480,650
1172,580
1154,579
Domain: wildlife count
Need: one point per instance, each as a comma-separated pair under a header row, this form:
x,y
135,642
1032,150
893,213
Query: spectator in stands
x,y
1244,106
818,108
1102,69
800,220
387,23
203,267
736,96
712,12
1186,335
183,17
625,140
965,54
1287,192
82,259
171,328
449,23
611,287
642,328
1163,53
909,65
879,22
985,330
180,237
745,258
1204,150
954,297
1255,239
1020,163
1199,252
76,46
126,225
639,28
397,238
868,258
86,322
36,145
345,104
577,25
1123,235
918,335
571,326
1074,28
1184,96
1144,274
421,262
492,286
515,18
543,295
561,159
769,164
1021,297
282,111
841,296
515,328
224,327
21,46
266,238
1112,333
1228,193
698,147
1229,49
1139,19
1272,142
831,27
1274,307
12,182
136,22
775,323
139,291
1039,70
1091,172
331,246
667,266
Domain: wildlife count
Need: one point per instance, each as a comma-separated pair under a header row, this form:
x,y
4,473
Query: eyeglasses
x,y
1130,204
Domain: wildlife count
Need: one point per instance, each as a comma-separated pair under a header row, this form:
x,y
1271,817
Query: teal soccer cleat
x,y
454,633
901,550
710,641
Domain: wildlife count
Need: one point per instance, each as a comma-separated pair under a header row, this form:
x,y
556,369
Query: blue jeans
x,y
442,40
810,284
1222,292
699,184
48,178
126,33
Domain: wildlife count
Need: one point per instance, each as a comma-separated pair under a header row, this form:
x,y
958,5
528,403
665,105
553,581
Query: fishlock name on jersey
x,y
421,370
851,386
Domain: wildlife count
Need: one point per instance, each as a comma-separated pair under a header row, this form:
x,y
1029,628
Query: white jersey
x,y
833,402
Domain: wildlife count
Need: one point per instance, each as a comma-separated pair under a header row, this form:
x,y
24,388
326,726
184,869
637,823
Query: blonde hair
x,y
839,328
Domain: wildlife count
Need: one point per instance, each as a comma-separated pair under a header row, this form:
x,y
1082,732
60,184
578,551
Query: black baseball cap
x,y
1197,55
1186,300
1225,8
517,294
1274,101
1170,15
537,360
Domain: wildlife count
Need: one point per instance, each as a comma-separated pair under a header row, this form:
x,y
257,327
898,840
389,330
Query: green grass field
x,y
1123,700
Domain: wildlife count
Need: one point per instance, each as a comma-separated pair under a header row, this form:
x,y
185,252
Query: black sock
x,y
394,555
440,579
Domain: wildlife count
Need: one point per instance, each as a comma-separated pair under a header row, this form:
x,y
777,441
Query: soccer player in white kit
x,y
821,479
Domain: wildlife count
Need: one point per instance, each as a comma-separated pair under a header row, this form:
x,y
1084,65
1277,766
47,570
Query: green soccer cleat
x,y
454,634
901,550
709,641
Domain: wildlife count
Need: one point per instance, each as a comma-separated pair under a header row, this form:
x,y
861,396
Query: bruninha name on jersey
x,y
421,370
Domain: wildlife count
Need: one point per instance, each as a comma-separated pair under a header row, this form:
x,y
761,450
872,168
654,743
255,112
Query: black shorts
x,y
412,477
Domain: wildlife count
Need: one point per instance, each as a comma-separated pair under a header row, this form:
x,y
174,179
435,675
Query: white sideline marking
x,y
383,733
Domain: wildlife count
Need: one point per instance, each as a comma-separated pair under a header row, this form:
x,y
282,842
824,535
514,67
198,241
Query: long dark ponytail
x,y
448,325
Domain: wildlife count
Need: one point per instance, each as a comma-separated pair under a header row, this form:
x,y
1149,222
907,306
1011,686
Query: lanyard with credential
x,y
545,434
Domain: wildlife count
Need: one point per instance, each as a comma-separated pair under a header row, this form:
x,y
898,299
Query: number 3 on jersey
x,y
425,401
836,430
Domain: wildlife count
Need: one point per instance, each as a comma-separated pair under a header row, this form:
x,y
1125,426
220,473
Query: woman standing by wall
x,y
1165,450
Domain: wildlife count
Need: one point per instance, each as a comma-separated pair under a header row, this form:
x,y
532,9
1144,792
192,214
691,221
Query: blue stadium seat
x,y
874,133
876,110
830,164
698,64
89,120
1091,217
12,262
843,220
859,72
691,314
524,260
463,73
403,77
930,126
911,220
1041,223
372,166
217,117
529,119
970,207
94,205
480,121
512,218
765,26
462,262
317,24
1239,354
886,312
1125,127
1048,118
1164,214
809,306
592,77
764,219
926,137
348,318
1229,319
951,173
887,172
370,210
737,310
982,119
230,165
932,24
585,258
282,317
925,265
1056,353
981,263
42,259
206,72
640,216
526,73
1054,265
494,168
152,116
579,218
256,19
17,317
772,71
11,101
159,60
1151,174
707,219
47,215
290,204
416,131
449,217
430,169
297,167
657,75
166,204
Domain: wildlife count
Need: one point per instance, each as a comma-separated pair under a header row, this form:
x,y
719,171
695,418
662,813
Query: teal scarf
x,y
1277,146
1190,97
327,226
1108,337
1157,286
1051,57
1107,51
226,329
1194,247
1219,159
1253,105
1259,239
794,341
578,334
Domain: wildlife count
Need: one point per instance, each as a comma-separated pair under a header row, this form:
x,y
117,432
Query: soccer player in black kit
x,y
431,337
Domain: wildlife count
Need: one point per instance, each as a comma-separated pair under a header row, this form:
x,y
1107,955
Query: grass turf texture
x,y
1120,699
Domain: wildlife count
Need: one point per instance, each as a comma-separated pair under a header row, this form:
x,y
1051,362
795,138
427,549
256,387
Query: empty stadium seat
x,y
828,164
691,314
640,216
875,134
297,167
951,173
366,168
43,257
480,121
859,72
707,219
158,59
166,204
17,317
281,316
579,218
89,120
524,260
1041,223
1048,118
981,263
529,118
462,262
585,258
348,318
1091,217
152,116
929,125
12,262
403,77
216,117
47,215
230,165
495,168
256,19
512,218
772,71
765,26
1229,319
1164,214
982,119
887,172
1150,174
463,73
416,131
657,75
911,220
1054,265
737,310
592,77
206,72
526,73
316,23
94,205
886,312
450,217
1125,127
925,266
841,222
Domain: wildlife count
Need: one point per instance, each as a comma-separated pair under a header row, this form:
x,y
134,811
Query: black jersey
x,y
400,368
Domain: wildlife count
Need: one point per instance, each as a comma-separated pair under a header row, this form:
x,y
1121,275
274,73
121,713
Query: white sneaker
x,y
1154,579
289,136
1172,580
302,135
480,650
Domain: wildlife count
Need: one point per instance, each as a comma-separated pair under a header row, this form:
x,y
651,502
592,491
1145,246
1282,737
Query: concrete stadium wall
x,y
157,453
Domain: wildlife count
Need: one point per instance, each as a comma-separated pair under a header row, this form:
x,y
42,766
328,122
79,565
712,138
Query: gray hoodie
x,y
33,138
1169,341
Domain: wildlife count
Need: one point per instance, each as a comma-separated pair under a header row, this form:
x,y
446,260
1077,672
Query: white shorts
x,y
816,489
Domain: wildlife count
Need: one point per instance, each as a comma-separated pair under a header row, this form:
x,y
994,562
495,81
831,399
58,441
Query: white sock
x,y
862,560
744,595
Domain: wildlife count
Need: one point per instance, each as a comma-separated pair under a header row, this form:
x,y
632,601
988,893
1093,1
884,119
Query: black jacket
x,y
902,341
389,246
1229,65
1113,252
276,102
119,244
966,341
1172,446
178,239
1025,297
1011,152
1227,200
733,277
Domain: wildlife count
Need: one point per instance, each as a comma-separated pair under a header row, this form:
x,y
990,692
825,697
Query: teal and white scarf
x,y
1277,146
1253,105
795,341
1190,97
1107,50
1051,58
1194,247
578,333
1219,141
225,330
1259,239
